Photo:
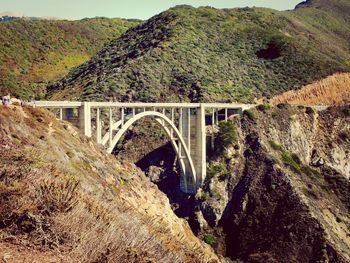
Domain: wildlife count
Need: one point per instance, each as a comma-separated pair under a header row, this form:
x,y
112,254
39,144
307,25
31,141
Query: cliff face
x,y
289,194
62,196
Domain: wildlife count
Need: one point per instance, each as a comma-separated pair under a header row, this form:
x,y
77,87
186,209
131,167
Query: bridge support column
x,y
66,114
196,144
187,182
61,114
201,151
98,126
85,119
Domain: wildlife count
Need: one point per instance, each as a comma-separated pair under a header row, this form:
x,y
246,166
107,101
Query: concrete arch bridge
x,y
184,123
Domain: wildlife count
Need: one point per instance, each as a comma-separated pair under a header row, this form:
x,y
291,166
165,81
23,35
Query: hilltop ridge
x,y
208,54
34,52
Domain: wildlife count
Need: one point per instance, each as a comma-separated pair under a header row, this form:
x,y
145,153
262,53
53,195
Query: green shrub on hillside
x,y
227,136
310,110
293,161
275,146
216,169
209,239
288,160
34,52
309,171
250,114
263,107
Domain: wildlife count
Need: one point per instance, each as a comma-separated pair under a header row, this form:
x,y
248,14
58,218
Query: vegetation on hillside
x,y
206,54
33,52
226,137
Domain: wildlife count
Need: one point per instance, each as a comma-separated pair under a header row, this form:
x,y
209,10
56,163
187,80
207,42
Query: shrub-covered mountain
x,y
33,52
206,54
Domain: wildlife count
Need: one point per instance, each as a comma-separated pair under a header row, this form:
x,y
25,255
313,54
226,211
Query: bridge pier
x,y
201,148
85,119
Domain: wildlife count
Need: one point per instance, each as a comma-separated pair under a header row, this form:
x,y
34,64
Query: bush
x,y
263,107
288,160
293,161
58,196
275,146
309,171
250,114
209,239
226,136
203,196
216,169
282,105
310,110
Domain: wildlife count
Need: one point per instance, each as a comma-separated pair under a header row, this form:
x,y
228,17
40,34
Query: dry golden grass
x,y
47,209
333,90
78,207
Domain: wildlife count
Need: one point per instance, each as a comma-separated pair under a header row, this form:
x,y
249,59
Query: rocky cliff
x,y
287,198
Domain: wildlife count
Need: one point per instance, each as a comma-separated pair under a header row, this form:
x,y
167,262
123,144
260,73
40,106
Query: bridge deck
x,y
76,104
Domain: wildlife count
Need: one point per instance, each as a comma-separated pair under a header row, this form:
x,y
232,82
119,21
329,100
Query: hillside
x,y
34,52
279,192
206,54
333,90
63,198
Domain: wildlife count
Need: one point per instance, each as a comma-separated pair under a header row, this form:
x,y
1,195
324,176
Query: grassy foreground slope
x,y
61,194
33,52
206,54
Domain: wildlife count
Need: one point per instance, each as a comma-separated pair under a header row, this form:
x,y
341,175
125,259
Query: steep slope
x,y
291,202
205,54
333,90
280,191
62,197
33,52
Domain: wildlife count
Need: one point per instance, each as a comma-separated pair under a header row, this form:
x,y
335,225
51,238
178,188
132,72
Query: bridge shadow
x,y
162,168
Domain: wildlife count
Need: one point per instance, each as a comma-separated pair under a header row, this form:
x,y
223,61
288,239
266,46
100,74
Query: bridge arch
x,y
186,163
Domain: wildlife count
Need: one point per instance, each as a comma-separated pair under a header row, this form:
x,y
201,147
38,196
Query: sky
x,y
140,9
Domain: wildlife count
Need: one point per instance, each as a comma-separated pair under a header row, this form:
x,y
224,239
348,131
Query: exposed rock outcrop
x,y
281,209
